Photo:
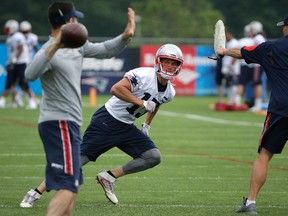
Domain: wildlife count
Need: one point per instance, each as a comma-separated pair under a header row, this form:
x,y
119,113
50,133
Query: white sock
x,y
248,202
258,102
237,99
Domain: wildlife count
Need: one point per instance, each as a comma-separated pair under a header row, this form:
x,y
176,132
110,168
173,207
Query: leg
x,y
146,160
23,83
65,181
257,89
259,173
239,93
42,187
32,196
257,180
62,203
221,93
29,201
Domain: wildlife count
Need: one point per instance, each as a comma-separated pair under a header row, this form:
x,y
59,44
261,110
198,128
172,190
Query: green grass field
x,y
207,157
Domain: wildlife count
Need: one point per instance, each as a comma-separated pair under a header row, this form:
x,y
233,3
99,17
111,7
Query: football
x,y
74,35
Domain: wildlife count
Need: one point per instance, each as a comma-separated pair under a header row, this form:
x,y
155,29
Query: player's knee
x,y
153,157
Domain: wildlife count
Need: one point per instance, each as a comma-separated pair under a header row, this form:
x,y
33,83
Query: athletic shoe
x,y
250,209
255,108
18,99
108,183
31,104
30,198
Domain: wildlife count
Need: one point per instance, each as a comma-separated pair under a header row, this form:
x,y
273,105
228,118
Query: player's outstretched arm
x,y
130,28
233,52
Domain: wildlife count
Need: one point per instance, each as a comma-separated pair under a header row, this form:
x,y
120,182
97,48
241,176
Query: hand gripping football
x,y
74,35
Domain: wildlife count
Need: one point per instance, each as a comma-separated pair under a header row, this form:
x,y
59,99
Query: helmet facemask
x,y
164,66
167,69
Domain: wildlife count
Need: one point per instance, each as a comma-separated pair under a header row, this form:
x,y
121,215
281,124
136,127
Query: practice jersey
x,y
246,41
13,42
144,85
258,39
227,67
272,55
61,77
32,42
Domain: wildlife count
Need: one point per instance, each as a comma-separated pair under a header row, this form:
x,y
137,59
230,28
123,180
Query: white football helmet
x,y
11,26
25,26
256,27
247,30
168,51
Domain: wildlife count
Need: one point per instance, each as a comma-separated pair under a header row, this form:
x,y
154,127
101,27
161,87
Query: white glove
x,y
145,129
149,106
13,60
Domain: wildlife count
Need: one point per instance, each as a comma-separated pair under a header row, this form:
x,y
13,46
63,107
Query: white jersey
x,y
31,41
246,41
12,42
258,39
144,85
227,66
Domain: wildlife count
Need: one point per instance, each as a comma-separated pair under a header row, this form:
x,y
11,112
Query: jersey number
x,y
138,111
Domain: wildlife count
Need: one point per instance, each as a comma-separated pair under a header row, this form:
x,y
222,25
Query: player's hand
x,y
14,60
130,28
58,42
149,106
220,51
145,129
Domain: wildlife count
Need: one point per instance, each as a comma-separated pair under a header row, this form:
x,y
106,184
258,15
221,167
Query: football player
x,y
142,90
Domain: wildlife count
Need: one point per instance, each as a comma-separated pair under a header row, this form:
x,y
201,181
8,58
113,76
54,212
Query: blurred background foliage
x,y
156,18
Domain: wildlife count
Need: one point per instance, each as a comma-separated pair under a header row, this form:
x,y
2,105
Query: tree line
x,y
161,18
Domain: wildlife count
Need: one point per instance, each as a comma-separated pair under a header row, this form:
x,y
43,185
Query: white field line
x,y
169,206
172,179
196,206
202,118
209,119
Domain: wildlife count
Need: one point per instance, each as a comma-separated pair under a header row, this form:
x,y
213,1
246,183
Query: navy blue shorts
x,y
11,79
62,140
15,75
275,133
20,71
250,75
105,132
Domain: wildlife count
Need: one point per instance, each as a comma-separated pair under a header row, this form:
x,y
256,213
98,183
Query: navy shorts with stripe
x,y
62,140
105,132
275,133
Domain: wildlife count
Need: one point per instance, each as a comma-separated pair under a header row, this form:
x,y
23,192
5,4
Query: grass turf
x,y
207,158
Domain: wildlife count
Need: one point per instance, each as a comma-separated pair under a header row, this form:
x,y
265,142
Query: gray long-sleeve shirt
x,y
61,77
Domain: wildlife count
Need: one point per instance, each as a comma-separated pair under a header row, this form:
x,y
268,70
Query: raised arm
x,y
130,28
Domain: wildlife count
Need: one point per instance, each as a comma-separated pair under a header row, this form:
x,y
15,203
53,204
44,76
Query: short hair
x,y
57,13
